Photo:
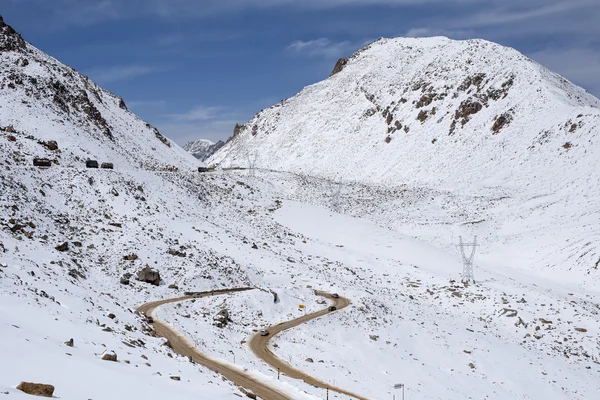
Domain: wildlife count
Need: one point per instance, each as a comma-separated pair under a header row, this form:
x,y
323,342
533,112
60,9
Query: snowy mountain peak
x,y
10,40
202,149
473,111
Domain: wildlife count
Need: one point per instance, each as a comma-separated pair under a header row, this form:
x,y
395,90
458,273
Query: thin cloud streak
x,y
113,74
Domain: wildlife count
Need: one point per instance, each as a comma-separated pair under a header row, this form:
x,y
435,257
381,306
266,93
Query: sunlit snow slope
x,y
513,144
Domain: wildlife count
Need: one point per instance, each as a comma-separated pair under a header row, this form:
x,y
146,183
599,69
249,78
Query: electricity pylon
x,y
467,275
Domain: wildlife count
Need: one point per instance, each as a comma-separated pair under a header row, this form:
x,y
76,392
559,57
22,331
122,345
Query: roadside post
x,y
278,373
327,393
399,386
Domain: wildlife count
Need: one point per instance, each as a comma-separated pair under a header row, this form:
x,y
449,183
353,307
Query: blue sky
x,y
194,68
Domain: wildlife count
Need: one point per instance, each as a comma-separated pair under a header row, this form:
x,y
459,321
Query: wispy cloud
x,y
320,47
141,104
112,74
200,113
427,32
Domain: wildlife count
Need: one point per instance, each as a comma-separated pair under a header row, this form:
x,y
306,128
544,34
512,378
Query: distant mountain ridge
x,y
202,149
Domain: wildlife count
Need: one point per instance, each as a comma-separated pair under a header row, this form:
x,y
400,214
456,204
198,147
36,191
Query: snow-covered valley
x,y
411,320
80,248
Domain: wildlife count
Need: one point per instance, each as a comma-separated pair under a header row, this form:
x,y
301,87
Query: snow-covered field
x,y
404,291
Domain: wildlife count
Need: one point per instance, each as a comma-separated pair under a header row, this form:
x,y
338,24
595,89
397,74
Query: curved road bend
x,y
181,346
260,347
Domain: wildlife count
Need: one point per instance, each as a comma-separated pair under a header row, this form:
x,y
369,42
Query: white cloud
x,y
321,47
200,113
427,32
138,104
112,74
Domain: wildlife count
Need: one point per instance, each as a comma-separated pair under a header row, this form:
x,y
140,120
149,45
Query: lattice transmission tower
x,y
467,275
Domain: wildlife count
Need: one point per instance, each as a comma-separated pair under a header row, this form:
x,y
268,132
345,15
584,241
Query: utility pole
x,y
399,386
327,393
467,275
278,372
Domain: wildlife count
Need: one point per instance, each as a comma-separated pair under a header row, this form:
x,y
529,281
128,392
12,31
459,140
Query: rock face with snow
x,y
428,111
54,112
202,149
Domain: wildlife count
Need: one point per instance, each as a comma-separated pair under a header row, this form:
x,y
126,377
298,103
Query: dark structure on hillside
x,y
91,164
42,162
107,165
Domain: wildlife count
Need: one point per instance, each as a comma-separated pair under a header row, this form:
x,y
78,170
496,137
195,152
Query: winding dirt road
x,y
184,347
260,347
258,344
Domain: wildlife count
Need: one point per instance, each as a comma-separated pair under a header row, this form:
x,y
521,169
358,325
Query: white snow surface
x,y
387,247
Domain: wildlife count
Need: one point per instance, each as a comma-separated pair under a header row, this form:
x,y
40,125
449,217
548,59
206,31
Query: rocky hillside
x,y
202,149
517,143
429,111
47,109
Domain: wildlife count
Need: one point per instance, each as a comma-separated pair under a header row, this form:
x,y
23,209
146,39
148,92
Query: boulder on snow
x,y
63,247
36,389
310,360
109,356
70,342
149,275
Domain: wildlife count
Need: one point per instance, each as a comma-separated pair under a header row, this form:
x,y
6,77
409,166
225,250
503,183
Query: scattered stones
x,y
254,246
111,316
471,365
509,312
373,337
125,279
109,356
36,389
248,393
149,275
175,378
173,286
177,253
130,257
63,247
310,360
582,330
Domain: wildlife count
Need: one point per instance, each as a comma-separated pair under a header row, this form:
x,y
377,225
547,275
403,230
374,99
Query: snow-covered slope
x,y
430,111
515,143
42,100
202,149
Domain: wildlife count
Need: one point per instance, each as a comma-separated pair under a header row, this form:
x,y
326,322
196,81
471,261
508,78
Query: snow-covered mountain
x,y
72,241
429,111
50,110
202,149
470,117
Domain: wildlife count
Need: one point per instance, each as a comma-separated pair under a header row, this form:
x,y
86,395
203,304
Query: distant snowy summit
x,y
49,110
202,149
430,111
